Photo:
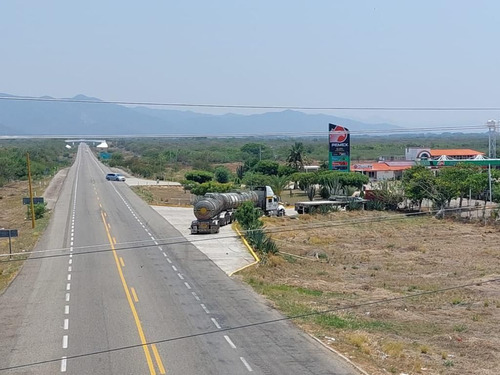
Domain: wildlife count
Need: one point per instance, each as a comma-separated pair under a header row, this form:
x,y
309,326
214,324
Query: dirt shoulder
x,y
13,215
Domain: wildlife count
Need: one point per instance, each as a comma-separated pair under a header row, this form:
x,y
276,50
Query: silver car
x,y
115,177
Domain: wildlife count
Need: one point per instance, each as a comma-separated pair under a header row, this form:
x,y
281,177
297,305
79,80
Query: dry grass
x,y
448,332
13,216
164,195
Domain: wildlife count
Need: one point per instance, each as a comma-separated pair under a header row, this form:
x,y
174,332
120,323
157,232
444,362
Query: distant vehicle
x,y
115,177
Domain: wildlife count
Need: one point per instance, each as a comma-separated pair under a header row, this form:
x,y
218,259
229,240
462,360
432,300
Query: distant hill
x,y
25,117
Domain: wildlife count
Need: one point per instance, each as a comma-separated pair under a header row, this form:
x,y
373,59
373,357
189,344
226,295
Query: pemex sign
x,y
340,148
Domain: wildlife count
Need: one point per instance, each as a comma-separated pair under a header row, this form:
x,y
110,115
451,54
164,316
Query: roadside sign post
x,y
4,233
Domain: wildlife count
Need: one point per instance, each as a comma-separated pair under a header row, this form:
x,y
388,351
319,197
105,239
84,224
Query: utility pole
x,y
492,148
492,138
31,192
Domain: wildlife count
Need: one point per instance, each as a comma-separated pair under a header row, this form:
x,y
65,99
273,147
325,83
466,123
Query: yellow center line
x,y
152,370
158,359
114,240
134,294
121,261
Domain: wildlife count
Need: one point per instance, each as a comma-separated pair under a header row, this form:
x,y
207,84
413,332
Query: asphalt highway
x,y
113,289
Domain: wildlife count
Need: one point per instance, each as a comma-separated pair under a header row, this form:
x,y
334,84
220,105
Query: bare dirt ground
x,y
346,260
163,195
13,215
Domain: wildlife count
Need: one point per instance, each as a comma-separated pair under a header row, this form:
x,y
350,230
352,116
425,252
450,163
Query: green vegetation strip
x,y
294,302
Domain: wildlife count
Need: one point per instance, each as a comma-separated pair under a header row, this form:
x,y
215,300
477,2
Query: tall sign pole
x,y
31,192
339,148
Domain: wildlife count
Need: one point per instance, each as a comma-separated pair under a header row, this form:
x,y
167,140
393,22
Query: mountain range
x,y
47,116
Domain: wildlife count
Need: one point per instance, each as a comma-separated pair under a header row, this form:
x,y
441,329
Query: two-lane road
x,y
117,291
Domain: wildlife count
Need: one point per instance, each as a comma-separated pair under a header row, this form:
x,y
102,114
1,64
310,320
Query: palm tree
x,y
295,158
278,184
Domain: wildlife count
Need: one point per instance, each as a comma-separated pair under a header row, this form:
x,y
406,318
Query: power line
x,y
132,245
271,321
247,106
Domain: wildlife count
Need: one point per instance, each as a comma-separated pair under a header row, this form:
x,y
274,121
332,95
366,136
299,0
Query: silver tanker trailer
x,y
217,209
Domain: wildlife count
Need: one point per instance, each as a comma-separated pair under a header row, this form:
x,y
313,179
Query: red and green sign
x,y
340,148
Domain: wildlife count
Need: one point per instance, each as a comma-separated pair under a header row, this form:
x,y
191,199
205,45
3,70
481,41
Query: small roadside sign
x,y
8,233
36,200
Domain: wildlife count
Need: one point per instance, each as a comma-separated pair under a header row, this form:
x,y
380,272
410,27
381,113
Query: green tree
x,y
418,184
305,179
295,157
252,179
267,167
459,179
285,170
256,151
210,187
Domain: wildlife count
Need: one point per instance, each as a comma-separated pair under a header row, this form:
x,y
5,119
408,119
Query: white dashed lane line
x,y
65,342
231,344
246,364
215,323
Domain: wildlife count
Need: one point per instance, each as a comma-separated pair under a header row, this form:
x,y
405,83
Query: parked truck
x,y
215,210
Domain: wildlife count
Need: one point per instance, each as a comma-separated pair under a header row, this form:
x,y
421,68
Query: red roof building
x,y
383,170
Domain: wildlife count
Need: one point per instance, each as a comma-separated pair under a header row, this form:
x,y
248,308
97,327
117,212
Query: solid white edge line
x,y
231,344
215,323
246,364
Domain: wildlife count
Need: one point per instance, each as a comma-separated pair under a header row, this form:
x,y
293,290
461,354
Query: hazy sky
x,y
288,53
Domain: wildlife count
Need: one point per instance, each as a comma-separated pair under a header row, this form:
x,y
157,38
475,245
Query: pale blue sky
x,y
298,53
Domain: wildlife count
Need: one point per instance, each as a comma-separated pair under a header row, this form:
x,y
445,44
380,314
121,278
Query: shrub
x,y
248,216
199,176
39,209
222,175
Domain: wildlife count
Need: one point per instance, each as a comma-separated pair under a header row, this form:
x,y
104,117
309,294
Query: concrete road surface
x,y
116,289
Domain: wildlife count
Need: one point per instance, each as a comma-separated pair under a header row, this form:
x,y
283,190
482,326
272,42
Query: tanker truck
x,y
215,210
